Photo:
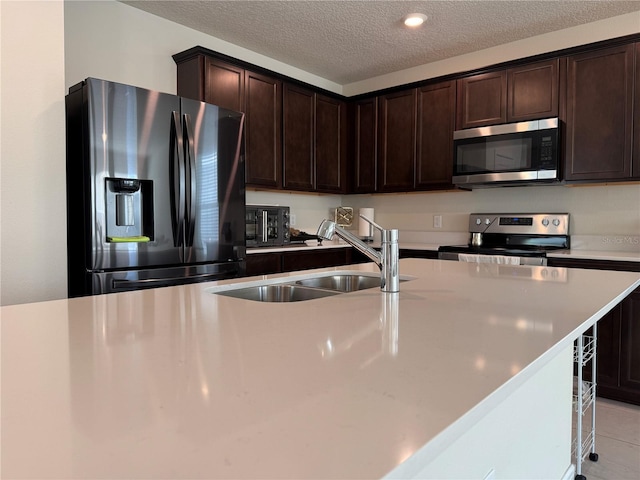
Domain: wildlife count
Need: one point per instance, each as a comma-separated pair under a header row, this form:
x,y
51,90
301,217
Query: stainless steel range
x,y
511,238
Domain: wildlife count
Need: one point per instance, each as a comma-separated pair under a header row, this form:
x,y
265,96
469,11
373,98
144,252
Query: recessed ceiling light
x,y
414,20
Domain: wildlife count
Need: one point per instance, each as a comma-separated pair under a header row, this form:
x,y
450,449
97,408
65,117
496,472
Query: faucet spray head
x,y
326,229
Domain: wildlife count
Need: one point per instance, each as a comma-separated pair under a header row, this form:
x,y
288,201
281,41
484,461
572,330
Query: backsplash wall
x,y
309,209
601,210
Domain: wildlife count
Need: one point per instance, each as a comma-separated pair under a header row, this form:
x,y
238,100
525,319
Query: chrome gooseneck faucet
x,y
386,258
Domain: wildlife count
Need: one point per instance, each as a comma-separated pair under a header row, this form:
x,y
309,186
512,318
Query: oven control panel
x,y
520,223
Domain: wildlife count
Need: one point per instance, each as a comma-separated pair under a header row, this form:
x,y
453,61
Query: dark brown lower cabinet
x,y
263,264
277,262
410,253
315,259
618,342
629,383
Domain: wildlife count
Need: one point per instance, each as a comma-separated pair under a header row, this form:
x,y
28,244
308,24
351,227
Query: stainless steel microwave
x,y
266,225
510,154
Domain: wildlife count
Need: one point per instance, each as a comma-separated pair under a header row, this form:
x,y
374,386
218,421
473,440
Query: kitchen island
x,y
466,371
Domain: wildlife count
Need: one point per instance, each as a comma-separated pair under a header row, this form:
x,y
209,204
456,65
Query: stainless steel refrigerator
x,y
155,189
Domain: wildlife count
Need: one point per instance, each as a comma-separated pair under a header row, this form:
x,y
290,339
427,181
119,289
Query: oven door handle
x,y
265,225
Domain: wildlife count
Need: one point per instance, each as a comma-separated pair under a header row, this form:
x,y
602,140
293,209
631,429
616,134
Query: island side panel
x,y
527,435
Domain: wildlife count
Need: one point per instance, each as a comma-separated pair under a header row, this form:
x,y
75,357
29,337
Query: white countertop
x,y
627,255
180,383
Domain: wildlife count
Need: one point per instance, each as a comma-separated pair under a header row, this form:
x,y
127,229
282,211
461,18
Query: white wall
x,y
309,209
48,46
595,209
33,246
113,41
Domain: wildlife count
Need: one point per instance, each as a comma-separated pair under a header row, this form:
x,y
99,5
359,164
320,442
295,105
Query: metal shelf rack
x,y
584,400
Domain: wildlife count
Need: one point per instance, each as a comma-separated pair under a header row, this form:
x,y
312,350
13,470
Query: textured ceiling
x,y
347,41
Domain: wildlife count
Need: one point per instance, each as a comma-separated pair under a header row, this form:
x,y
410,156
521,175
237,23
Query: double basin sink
x,y
305,288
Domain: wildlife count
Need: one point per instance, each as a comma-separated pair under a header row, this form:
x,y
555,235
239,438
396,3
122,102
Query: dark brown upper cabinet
x,y
302,138
259,96
599,114
364,146
224,85
434,147
314,141
297,138
263,130
397,141
532,91
482,100
330,145
516,94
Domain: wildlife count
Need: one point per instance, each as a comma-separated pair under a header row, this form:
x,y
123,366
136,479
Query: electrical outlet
x,y
437,221
292,220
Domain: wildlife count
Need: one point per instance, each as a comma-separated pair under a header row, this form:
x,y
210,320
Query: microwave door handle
x,y
191,184
265,236
177,180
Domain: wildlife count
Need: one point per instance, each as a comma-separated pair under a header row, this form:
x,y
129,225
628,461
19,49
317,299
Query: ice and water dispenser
x,y
129,208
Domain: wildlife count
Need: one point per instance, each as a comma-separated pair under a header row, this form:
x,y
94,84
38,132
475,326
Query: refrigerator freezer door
x,y
215,183
128,280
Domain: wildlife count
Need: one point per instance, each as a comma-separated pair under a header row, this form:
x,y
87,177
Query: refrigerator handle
x,y
177,174
191,184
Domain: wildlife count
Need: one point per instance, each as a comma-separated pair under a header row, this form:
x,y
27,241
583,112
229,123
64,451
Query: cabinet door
x,y
330,145
298,135
608,352
599,114
191,73
397,141
292,261
436,122
224,85
263,126
532,91
482,100
365,134
630,347
264,263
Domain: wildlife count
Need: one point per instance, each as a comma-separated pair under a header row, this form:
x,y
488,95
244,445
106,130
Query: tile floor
x,y
617,442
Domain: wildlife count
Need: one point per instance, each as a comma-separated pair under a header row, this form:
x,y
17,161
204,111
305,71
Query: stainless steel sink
x,y
342,283
281,292
305,288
